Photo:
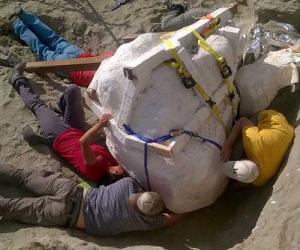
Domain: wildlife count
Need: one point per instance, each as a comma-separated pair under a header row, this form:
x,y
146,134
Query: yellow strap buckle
x,y
210,102
188,82
224,67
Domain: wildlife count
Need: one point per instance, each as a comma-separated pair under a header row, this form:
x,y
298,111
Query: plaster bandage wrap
x,y
142,88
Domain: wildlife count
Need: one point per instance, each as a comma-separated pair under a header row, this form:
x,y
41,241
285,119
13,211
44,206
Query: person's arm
x,y
172,218
89,157
233,135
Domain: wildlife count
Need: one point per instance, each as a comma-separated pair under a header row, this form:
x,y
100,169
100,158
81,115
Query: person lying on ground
x,y
178,16
67,136
57,201
265,145
48,45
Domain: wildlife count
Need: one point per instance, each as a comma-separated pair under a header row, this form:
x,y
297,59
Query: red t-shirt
x,y
83,78
67,145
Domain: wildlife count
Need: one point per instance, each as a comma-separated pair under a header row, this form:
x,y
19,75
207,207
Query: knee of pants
x,y
72,93
72,90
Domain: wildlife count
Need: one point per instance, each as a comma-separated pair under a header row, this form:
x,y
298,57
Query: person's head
x,y
116,170
245,171
148,203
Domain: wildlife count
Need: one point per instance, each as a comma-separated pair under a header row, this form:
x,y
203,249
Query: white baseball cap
x,y
150,203
244,171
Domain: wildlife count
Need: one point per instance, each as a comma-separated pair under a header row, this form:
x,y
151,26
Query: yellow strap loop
x,y
204,45
176,57
182,71
201,92
222,64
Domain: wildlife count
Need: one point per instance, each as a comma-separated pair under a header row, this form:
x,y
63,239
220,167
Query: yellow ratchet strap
x,y
183,72
223,66
181,68
214,23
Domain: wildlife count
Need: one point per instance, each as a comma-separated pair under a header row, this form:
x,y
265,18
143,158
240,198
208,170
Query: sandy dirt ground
x,y
246,218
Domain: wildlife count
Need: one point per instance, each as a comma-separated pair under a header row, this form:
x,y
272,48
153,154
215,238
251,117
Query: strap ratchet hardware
x,y
189,82
225,69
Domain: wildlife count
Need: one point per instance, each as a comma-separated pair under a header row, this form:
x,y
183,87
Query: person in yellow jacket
x,y
265,145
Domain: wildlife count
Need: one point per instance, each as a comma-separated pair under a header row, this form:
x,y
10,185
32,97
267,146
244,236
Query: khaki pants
x,y
50,204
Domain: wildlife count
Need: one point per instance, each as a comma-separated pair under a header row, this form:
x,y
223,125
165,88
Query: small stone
x,y
256,227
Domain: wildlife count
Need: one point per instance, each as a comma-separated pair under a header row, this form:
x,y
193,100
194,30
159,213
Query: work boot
x,y
18,71
32,138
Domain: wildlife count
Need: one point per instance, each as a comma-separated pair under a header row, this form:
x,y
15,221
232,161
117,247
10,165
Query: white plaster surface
x,y
153,105
259,82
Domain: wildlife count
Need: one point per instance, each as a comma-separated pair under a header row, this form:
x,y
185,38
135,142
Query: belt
x,y
75,200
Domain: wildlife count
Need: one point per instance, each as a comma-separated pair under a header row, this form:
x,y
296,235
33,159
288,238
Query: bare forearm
x,y
88,155
90,134
233,135
236,130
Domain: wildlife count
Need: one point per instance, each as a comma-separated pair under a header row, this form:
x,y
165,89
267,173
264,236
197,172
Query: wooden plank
x,y
132,37
157,148
90,63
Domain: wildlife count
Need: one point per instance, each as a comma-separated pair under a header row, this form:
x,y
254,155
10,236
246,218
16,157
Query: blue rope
x,y
173,133
204,139
146,140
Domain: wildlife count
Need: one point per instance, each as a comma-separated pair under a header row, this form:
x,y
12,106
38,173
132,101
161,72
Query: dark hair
x,y
111,178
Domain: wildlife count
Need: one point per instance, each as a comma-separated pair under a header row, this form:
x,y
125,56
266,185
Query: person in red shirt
x,y
67,136
48,45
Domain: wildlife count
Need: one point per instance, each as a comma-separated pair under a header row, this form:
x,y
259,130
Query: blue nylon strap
x,y
146,140
203,138
162,138
146,164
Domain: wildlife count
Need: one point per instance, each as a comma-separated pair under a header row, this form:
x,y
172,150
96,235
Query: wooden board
x,y
132,37
91,63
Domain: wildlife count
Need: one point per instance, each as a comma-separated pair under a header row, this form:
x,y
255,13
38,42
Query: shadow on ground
x,y
221,226
226,223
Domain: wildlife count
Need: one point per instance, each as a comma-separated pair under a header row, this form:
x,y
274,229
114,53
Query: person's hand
x,y
104,119
172,218
226,152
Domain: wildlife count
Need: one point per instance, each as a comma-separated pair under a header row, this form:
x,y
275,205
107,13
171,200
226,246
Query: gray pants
x,y
52,202
52,125
171,22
